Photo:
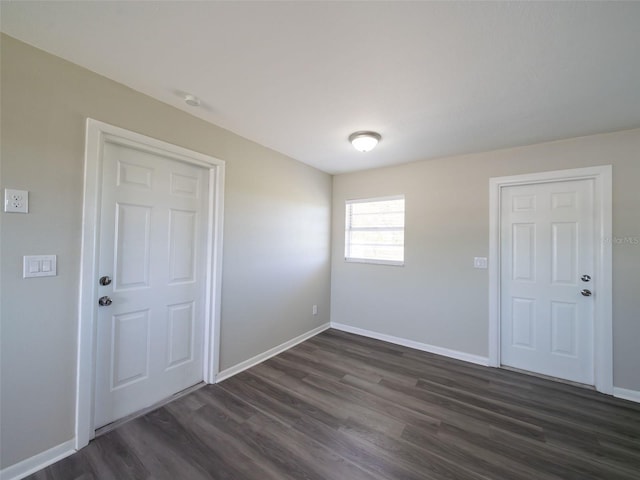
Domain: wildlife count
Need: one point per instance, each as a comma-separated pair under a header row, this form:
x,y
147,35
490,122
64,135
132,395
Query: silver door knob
x,y
106,280
585,278
104,301
586,292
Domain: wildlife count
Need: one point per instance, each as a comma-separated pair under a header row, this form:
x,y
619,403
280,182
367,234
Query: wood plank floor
x,y
344,407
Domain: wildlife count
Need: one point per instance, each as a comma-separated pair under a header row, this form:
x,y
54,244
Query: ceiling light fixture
x,y
364,141
191,100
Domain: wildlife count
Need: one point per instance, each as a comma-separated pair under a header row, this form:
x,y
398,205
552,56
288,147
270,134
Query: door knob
x,y
586,292
106,280
585,278
106,301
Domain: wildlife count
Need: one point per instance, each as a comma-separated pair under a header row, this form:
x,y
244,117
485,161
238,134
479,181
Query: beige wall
x,y
437,298
276,236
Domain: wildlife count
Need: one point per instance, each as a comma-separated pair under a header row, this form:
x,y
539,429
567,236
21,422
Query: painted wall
x,y
438,298
276,236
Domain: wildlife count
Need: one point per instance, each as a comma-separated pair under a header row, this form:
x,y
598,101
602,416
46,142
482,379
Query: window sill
x,y
372,261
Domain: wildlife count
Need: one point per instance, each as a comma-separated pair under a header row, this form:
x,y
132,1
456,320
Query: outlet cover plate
x,y
480,262
16,201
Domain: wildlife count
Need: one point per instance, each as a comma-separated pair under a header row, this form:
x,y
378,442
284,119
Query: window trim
x,y
374,261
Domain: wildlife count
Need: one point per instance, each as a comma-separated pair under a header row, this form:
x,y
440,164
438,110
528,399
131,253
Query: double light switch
x,y
39,266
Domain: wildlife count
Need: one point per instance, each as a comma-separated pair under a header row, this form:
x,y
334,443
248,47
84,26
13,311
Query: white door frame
x,y
96,134
603,330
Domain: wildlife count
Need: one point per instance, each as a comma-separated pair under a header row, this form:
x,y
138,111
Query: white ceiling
x,y
434,78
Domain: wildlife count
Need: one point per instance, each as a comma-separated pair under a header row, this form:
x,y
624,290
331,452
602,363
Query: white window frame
x,y
374,261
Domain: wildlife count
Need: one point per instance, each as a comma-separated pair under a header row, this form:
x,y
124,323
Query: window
x,y
374,230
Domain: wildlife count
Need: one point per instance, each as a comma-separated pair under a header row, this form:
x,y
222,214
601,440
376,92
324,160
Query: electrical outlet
x,y
480,262
16,201
314,310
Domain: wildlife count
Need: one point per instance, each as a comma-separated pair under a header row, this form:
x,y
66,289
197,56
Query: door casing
x,y
96,132
603,321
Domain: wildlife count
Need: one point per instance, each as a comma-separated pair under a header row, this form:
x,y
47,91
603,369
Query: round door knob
x,y
586,293
104,301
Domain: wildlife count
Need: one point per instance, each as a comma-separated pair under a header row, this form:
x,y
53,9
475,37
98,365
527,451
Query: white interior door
x,y
547,246
152,244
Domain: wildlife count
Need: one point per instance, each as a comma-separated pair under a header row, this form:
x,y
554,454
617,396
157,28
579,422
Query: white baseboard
x,y
626,394
231,371
446,352
38,462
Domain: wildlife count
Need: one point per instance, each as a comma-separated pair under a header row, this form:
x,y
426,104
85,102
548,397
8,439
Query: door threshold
x,y
549,377
113,425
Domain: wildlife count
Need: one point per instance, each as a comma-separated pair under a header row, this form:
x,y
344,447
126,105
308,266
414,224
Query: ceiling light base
x,y
192,100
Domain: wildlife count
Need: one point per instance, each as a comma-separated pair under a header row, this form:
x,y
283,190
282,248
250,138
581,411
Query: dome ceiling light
x,y
364,141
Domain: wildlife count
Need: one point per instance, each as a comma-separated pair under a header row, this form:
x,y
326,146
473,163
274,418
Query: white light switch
x,y
34,266
39,266
479,262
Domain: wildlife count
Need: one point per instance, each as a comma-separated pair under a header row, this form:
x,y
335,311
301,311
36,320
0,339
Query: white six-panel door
x,y
547,246
153,247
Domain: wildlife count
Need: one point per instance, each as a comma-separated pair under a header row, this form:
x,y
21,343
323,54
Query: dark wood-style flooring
x,y
344,407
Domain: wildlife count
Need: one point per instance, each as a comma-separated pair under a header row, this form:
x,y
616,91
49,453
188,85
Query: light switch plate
x,y
39,266
16,201
479,262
